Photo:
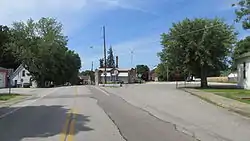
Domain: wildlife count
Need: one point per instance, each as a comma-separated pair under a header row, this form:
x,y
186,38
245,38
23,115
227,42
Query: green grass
x,y
5,96
236,94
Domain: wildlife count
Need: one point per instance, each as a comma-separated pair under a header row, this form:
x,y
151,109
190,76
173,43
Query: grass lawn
x,y
237,94
6,96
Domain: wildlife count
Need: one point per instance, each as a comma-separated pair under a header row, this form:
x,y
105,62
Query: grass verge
x,y
6,96
236,94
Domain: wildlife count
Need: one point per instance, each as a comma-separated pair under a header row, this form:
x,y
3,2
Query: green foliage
x,y
162,72
101,63
110,59
197,47
243,12
143,70
41,47
89,73
7,59
241,47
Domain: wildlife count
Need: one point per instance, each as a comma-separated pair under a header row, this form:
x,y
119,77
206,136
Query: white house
x,y
21,78
243,70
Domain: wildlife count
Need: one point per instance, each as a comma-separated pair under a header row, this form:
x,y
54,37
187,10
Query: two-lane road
x,y
81,113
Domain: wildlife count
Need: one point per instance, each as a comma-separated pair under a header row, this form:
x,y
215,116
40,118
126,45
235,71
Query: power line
x,y
194,31
206,27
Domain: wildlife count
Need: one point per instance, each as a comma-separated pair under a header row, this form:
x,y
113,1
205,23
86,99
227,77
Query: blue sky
x,y
130,24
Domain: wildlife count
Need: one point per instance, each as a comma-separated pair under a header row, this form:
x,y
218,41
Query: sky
x,y
131,25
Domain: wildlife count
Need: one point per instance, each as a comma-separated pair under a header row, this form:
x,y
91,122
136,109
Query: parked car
x,y
26,85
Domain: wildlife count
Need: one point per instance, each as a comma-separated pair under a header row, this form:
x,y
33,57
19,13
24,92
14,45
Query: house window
x,y
244,70
23,73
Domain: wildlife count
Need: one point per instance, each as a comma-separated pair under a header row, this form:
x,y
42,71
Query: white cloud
x,y
72,13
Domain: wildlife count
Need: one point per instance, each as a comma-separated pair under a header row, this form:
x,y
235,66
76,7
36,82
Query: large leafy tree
x,y
143,70
7,59
42,48
197,47
110,58
243,12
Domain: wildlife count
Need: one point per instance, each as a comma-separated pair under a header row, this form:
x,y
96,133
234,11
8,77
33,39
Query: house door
x,y
15,83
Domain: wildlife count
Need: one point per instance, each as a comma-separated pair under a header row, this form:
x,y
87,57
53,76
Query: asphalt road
x,y
81,113
203,120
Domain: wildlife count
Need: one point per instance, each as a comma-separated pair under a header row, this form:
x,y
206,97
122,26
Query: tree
x,y
197,47
42,48
7,59
241,47
101,63
143,70
243,13
89,73
110,59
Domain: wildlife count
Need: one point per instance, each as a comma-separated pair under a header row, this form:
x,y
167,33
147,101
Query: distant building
x,y
22,78
243,70
115,74
85,80
153,76
232,77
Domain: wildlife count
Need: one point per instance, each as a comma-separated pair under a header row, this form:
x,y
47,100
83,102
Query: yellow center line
x,y
65,128
69,127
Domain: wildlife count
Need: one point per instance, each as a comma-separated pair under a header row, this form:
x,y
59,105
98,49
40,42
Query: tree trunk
x,y
204,77
41,83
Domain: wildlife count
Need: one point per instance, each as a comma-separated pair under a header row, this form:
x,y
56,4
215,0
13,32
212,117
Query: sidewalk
x,y
230,104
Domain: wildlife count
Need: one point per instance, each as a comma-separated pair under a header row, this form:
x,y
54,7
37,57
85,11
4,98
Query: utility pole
x,y
92,62
105,60
92,65
132,57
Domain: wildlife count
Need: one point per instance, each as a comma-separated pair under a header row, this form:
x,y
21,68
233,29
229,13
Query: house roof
x,y
84,77
121,74
1,68
109,69
245,55
17,71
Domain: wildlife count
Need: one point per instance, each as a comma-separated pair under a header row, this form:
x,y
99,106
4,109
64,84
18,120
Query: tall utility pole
x,y
92,62
105,60
92,65
132,57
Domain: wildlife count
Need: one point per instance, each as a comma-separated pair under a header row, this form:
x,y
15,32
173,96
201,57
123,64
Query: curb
x,y
237,110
